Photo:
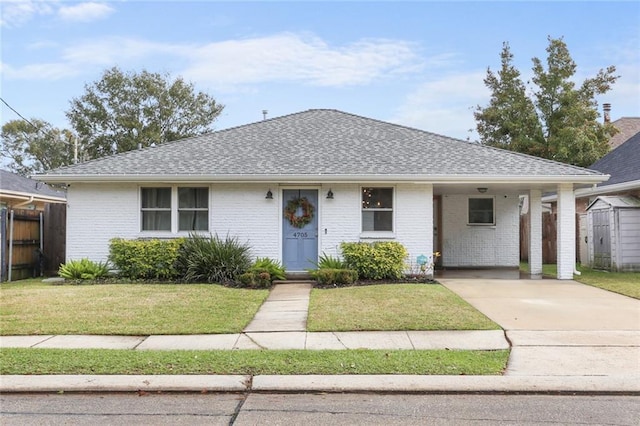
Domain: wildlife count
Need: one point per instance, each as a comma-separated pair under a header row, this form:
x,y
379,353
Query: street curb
x,y
629,384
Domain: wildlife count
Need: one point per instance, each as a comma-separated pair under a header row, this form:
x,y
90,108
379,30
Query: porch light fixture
x,y
482,190
330,194
269,195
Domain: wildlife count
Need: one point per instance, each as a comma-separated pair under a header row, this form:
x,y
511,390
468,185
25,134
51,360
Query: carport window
x,y
481,211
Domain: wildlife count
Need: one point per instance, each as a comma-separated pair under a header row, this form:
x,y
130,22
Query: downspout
x,y
29,201
10,245
41,254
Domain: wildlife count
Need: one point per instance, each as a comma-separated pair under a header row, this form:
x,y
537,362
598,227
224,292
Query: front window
x,y
164,208
193,209
481,211
156,209
377,209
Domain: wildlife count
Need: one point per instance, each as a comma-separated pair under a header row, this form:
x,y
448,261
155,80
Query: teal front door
x,y
299,229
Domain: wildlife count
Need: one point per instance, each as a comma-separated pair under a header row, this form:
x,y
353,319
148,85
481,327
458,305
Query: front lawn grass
x,y
390,307
625,283
27,361
31,307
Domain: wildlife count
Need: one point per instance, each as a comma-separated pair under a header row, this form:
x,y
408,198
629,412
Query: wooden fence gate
x,y
549,236
32,242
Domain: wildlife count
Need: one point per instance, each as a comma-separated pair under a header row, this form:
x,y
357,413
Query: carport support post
x,y
535,232
566,236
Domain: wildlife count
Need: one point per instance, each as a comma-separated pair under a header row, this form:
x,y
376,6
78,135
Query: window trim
x,y
374,233
493,210
174,209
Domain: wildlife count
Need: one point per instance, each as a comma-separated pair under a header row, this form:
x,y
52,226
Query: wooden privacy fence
x,y
549,235
32,241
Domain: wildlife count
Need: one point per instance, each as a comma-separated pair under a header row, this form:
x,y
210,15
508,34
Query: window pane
x,y
377,221
156,221
197,198
377,198
481,210
193,221
154,198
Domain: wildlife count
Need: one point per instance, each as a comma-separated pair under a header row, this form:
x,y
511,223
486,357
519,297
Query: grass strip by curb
x,y
28,361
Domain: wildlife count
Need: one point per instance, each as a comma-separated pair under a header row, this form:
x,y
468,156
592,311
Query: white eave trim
x,y
31,197
430,179
598,190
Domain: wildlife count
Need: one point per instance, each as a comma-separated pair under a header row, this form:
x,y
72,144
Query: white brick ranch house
x,y
364,180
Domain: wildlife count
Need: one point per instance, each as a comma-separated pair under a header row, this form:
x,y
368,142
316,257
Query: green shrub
x,y
212,259
327,261
375,261
145,259
273,267
84,269
337,277
262,273
255,279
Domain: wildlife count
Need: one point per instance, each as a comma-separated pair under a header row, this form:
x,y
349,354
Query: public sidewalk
x,y
591,361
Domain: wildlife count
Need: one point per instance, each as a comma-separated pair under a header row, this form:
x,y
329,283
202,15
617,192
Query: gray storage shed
x,y
613,227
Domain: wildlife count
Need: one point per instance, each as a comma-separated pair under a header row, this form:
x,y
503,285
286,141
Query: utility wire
x,y
19,115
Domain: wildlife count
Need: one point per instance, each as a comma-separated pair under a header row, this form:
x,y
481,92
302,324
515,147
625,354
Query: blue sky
x,y
417,63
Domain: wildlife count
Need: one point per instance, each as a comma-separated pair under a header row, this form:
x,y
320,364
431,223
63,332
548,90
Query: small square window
x,y
481,211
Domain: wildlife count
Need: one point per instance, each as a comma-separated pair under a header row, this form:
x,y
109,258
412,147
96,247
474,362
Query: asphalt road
x,y
316,409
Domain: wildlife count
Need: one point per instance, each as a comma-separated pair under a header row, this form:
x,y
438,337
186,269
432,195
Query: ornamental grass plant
x,y
213,259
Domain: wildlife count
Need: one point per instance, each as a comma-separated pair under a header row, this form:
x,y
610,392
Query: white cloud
x,y
85,12
286,57
15,13
235,63
445,105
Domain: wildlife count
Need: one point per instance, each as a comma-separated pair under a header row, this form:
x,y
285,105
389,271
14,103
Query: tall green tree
x,y
558,121
122,110
35,146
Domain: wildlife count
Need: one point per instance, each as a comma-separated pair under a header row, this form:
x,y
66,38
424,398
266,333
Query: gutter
x,y
598,190
418,179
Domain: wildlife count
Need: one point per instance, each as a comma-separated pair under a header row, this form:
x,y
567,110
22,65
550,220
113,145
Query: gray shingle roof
x,y
623,163
321,143
16,183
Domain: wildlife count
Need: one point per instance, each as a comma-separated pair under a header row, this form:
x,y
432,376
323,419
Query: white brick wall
x,y
97,213
468,245
566,232
535,232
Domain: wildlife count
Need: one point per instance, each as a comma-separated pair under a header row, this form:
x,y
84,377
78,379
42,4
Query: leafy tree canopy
x,y
122,110
558,120
35,146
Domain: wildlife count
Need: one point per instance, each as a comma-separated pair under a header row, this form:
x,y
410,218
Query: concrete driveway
x,y
559,327
548,304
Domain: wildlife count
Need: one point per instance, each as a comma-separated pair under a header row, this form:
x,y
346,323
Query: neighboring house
x,y
296,186
31,221
18,192
623,165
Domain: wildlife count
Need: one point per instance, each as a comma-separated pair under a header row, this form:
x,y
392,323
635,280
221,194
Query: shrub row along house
x,y
297,186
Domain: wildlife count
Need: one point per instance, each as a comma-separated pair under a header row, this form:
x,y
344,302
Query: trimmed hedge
x,y
337,277
375,261
146,259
